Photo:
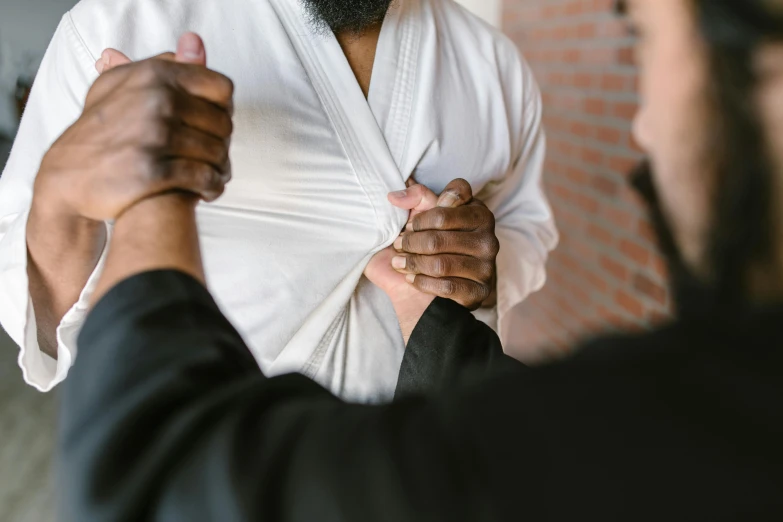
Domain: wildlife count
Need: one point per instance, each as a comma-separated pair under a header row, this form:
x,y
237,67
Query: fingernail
x,y
398,243
399,262
448,199
410,278
399,194
190,46
99,66
409,227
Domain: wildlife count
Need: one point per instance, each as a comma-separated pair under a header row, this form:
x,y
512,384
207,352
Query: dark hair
x,y
742,228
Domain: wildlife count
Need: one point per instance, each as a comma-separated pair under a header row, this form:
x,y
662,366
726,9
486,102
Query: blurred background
x,y
605,274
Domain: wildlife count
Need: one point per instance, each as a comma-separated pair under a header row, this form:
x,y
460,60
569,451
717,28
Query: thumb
x,y
190,49
457,193
416,198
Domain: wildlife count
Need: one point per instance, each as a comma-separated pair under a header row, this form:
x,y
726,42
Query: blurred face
x,y
347,15
672,123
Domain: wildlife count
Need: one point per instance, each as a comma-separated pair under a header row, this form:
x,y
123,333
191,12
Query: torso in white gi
x,y
285,247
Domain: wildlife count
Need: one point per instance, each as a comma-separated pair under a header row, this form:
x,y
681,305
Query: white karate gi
x,y
313,160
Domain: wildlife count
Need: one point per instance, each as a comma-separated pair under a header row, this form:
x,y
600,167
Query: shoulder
x,y
492,58
473,35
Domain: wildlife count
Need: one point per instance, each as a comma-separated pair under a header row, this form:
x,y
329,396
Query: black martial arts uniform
x,y
167,417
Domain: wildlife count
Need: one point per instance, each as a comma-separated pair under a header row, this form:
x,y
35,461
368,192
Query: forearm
x,y
188,389
62,254
156,234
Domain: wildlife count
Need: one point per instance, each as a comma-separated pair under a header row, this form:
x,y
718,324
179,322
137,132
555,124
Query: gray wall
x,y
26,26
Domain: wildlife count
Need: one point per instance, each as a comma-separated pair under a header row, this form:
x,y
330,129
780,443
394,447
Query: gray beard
x,y
351,16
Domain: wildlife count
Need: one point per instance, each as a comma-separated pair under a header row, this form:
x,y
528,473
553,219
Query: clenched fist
x,y
147,128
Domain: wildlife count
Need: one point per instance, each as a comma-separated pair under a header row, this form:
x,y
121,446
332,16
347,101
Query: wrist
x,y
49,209
410,308
158,233
52,225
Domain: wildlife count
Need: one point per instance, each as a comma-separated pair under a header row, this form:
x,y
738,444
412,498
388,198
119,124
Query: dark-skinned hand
x,y
147,128
449,250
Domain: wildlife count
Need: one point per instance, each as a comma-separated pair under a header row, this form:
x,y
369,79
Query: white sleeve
x,y
56,101
525,224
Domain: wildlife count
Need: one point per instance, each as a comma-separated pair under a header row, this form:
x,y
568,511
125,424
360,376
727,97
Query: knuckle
x,y
210,179
433,243
441,266
439,218
149,168
227,123
494,247
148,71
482,293
157,134
228,85
486,271
448,287
159,102
490,247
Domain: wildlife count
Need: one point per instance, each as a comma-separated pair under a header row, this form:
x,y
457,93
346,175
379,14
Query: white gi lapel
x,y
353,121
395,77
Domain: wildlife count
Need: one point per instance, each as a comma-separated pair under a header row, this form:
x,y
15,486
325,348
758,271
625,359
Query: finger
x,y
456,193
446,265
432,242
111,58
467,293
189,175
204,83
411,182
415,198
189,143
191,49
473,216
205,116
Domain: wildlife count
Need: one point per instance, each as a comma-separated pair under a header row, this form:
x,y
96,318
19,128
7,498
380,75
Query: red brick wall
x,y
605,273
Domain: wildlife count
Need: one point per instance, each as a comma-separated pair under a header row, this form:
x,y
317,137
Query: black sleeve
x,y
450,347
166,416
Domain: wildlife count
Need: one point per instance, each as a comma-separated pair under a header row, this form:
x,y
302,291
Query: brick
x,y
598,283
614,269
647,287
620,218
625,56
613,82
660,268
609,135
588,30
587,203
624,110
635,252
600,234
576,175
629,303
581,129
592,156
623,164
647,232
605,186
595,106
